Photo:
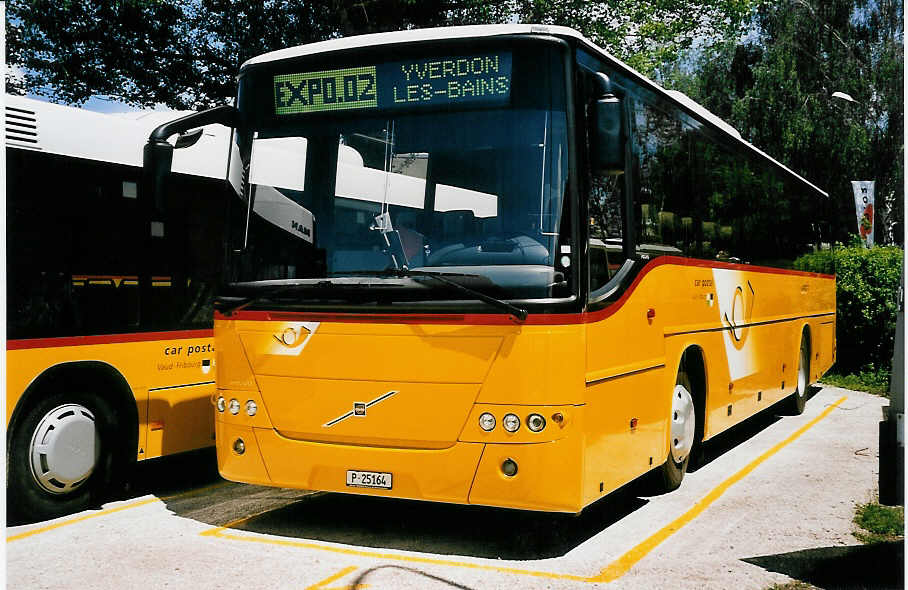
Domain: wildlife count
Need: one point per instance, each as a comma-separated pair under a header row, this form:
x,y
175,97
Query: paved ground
x,y
775,499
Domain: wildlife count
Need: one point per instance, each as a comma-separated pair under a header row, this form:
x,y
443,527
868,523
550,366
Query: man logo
x,y
359,408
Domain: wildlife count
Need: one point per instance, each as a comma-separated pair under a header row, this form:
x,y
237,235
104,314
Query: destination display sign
x,y
474,80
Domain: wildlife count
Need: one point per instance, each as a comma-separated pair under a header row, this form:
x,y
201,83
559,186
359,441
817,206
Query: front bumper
x,y
548,478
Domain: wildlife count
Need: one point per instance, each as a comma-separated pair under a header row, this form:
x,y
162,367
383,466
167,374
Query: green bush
x,y
880,523
867,285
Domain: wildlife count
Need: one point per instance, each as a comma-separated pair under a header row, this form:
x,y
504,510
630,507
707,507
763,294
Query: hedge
x,y
867,291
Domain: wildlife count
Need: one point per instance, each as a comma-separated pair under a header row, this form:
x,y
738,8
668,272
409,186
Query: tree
x,y
185,53
646,34
776,88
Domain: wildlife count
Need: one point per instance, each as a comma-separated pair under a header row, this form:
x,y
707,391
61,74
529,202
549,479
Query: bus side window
x,y
605,202
663,196
605,206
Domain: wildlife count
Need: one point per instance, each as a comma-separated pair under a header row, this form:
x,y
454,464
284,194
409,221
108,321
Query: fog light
x,y
239,447
535,422
511,422
234,406
486,421
222,403
251,408
509,467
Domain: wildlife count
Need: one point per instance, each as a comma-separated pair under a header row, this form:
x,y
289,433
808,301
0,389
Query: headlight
x,y
234,406
222,403
487,421
511,422
535,422
252,408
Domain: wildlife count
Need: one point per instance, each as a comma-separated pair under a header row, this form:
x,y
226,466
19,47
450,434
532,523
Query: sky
x,y
98,104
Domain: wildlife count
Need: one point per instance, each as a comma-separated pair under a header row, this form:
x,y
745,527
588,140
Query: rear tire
x,y
682,436
61,456
797,400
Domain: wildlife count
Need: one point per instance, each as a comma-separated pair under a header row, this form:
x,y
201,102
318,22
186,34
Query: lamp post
x,y
844,96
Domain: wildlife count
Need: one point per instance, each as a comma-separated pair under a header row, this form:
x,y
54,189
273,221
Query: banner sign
x,y
468,80
863,208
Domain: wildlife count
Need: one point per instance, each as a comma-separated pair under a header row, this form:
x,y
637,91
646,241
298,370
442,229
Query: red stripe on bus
x,y
506,319
27,343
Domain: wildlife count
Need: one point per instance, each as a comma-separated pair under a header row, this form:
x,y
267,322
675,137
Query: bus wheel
x,y
59,458
798,399
683,423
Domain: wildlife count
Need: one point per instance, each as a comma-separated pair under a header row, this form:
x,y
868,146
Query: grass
x,y
793,585
879,523
875,382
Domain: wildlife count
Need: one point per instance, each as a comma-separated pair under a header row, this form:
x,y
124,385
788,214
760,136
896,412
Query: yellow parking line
x,y
330,579
107,511
216,530
104,512
393,556
610,573
623,564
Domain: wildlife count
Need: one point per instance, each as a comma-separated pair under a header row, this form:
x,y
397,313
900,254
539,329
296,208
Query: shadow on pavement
x,y
162,477
734,436
409,525
175,474
881,565
446,529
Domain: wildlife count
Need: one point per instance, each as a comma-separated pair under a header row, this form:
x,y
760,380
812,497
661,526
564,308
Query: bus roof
x,y
681,100
41,126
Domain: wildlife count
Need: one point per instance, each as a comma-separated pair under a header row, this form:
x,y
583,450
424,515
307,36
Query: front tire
x,y
60,456
682,430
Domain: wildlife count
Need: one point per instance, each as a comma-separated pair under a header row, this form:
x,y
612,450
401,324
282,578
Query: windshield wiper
x,y
239,303
443,277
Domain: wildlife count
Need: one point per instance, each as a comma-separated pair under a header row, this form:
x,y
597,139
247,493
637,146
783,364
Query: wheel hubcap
x,y
683,421
64,448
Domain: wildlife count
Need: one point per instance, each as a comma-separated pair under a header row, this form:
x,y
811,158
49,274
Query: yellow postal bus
x,y
109,354
494,265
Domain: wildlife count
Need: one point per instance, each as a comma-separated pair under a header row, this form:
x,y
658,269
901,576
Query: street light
x,y
843,96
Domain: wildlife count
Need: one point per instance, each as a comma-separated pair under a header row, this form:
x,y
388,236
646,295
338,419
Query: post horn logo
x,y
742,307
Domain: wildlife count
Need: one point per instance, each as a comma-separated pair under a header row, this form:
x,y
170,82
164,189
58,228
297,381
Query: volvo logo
x,y
359,409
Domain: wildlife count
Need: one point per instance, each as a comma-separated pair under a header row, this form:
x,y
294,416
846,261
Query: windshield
x,y
456,188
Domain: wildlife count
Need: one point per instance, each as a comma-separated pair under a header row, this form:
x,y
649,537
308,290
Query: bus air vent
x,y
21,128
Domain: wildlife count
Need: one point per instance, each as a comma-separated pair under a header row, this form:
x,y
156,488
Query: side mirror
x,y
188,139
158,153
607,139
157,158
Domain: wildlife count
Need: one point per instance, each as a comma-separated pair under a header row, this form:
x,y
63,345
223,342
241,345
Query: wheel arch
x,y
103,378
693,363
806,332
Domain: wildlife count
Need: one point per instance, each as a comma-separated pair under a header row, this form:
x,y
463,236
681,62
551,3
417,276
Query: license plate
x,y
368,479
